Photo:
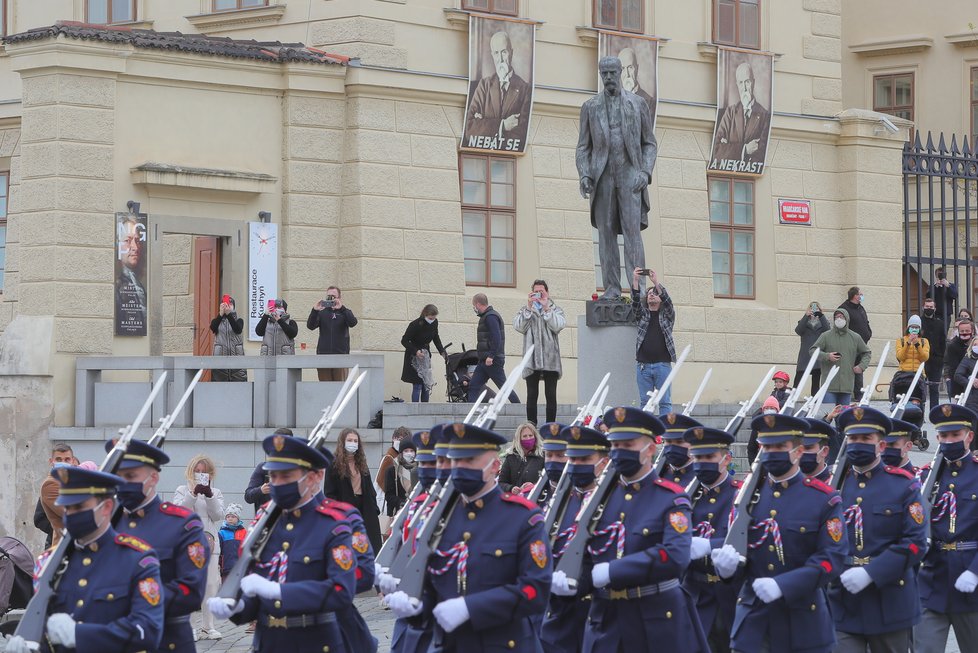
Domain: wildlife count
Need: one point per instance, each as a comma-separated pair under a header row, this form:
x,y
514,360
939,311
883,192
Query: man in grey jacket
x,y
540,321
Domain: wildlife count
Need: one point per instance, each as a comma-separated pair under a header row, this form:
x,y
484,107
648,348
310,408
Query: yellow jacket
x,y
911,356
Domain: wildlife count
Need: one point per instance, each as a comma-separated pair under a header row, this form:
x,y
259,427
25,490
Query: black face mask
x,y
893,456
809,462
676,455
929,312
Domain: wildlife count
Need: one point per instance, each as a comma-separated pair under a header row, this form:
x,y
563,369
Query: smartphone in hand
x,y
202,478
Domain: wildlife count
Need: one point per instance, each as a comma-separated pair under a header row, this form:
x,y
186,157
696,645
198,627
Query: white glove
x,y
451,614
402,605
560,585
725,560
966,582
856,579
61,630
17,644
255,585
378,569
387,583
601,574
767,590
700,548
221,609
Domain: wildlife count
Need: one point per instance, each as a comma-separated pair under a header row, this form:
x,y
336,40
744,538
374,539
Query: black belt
x,y
636,592
176,621
297,621
955,546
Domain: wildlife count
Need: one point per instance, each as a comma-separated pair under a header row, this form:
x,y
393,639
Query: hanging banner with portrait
x,y
745,93
130,274
500,99
262,272
639,56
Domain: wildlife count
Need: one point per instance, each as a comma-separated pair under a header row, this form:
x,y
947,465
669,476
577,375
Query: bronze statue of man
x,y
615,157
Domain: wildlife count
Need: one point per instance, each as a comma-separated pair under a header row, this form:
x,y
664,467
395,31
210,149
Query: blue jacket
x,y
229,539
563,626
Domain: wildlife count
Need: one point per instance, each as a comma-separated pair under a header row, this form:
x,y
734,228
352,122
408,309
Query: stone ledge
x,y
166,174
459,18
963,39
219,21
896,45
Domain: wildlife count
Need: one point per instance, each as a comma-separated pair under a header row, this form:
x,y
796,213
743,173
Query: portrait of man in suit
x,y
130,283
498,112
616,151
630,79
741,135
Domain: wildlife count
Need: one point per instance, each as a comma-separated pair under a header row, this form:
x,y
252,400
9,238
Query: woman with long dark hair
x,y
349,481
417,341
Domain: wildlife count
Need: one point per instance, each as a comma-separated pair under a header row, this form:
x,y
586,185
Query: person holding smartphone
x,y
277,329
227,327
655,349
540,322
334,321
200,496
811,325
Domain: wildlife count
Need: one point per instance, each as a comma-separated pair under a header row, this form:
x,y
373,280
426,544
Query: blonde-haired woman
x,y
349,480
200,495
523,463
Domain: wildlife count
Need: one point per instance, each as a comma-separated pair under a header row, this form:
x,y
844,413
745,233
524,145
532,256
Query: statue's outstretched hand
x,y
587,187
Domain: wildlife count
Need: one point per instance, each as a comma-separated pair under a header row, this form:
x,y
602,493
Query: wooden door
x,y
207,289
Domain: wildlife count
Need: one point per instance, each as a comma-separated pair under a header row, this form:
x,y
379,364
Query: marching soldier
x,y
899,444
712,504
639,551
487,605
679,466
875,602
443,464
109,598
949,573
587,457
554,459
307,569
797,545
815,447
176,534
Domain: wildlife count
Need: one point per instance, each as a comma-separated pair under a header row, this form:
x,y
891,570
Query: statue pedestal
x,y
606,337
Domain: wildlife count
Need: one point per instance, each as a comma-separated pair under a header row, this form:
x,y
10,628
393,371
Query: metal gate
x,y
940,200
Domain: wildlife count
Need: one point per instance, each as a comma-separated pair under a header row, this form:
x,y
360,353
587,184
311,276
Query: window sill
x,y
163,174
132,24
459,18
899,45
218,21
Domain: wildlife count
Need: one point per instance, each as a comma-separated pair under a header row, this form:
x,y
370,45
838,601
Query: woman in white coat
x,y
200,495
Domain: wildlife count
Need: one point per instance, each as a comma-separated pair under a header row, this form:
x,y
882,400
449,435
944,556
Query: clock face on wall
x,y
263,241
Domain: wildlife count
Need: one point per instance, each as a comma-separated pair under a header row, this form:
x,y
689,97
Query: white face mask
x,y
408,456
430,320
974,350
351,447
770,411
840,323
397,445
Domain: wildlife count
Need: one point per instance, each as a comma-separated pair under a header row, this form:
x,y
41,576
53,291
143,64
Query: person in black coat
x,y
523,464
334,321
349,481
417,340
395,494
858,323
954,353
258,490
811,325
932,328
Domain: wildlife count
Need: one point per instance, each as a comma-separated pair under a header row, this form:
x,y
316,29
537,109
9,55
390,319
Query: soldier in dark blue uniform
x,y
712,501
949,573
109,598
554,459
639,551
679,465
175,533
815,446
899,444
587,456
796,548
875,602
307,572
492,570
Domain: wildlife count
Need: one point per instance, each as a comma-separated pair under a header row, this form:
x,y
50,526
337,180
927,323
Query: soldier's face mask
x,y
706,472
809,462
288,495
676,455
861,454
553,470
469,481
629,462
893,456
777,463
132,494
581,474
80,524
427,476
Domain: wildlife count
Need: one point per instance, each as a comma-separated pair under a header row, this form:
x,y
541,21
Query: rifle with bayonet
x,y
257,537
842,461
733,426
820,395
33,623
691,404
656,396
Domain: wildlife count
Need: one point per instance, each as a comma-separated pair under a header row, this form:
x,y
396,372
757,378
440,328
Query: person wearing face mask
x,y
109,598
348,480
175,532
858,323
899,444
712,506
816,447
932,328
400,435
523,463
554,459
586,452
417,339
875,603
844,348
963,374
944,293
675,449
796,546
639,551
949,574
912,350
491,572
401,478
957,348
306,575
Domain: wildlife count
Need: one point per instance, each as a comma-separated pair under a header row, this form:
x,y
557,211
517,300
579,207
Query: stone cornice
x,y
895,45
168,174
220,21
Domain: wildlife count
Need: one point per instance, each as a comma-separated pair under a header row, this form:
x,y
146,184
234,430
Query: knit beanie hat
x,y
914,321
233,509
770,403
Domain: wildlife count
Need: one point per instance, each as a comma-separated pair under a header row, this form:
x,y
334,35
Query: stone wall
x,y
178,294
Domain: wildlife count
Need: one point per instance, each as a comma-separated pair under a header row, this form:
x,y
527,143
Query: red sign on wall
x,y
795,212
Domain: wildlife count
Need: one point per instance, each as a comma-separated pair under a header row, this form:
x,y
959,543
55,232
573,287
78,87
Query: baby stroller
x,y
913,413
457,373
16,582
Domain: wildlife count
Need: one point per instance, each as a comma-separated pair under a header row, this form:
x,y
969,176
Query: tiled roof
x,y
273,51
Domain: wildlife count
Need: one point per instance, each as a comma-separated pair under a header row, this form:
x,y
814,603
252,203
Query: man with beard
x,y
743,129
629,77
500,105
130,293
615,156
